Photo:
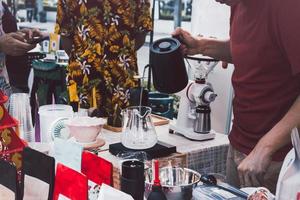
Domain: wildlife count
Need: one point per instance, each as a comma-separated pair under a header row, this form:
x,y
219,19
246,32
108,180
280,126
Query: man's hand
x,y
214,48
29,34
14,44
252,169
190,44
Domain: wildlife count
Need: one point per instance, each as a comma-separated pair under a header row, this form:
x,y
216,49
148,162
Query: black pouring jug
x,y
168,67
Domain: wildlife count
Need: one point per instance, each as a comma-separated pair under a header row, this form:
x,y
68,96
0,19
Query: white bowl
x,y
85,129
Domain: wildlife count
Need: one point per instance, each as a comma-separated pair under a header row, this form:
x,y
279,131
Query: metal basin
x,y
177,183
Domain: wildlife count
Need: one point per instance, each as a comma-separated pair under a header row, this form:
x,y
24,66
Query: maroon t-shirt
x,y
265,45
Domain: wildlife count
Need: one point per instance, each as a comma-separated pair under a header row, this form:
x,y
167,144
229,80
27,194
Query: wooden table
x,y
204,157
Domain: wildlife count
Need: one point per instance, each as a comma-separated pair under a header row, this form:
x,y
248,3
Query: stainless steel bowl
x,y
177,183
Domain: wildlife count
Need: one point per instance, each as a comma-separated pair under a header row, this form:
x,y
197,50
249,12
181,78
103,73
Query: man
x,y
102,38
18,76
264,45
13,44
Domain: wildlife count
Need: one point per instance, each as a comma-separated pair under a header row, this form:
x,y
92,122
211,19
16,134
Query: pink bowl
x,y
85,129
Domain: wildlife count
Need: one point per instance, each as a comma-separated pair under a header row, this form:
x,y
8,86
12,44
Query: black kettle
x,y
168,67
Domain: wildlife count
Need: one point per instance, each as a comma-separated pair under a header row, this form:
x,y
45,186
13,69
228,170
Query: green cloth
x,y
49,80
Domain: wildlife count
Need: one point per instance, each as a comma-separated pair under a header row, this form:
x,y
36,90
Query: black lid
x,y
165,45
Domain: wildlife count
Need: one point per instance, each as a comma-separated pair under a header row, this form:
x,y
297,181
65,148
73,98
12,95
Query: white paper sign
x,y
68,153
288,184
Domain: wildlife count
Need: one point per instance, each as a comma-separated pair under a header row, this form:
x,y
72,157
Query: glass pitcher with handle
x,y
138,128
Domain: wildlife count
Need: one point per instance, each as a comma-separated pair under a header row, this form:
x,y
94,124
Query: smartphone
x,y
38,39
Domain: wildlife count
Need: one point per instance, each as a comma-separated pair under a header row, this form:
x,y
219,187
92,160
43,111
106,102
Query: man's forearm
x,y
279,135
218,49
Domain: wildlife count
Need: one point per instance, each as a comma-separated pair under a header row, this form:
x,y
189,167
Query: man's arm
x,y
279,135
257,162
218,49
14,44
286,30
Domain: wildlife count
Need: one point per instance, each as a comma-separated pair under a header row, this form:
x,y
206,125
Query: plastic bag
x,y
288,184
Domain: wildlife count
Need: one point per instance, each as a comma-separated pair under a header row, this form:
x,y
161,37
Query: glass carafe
x,y
138,130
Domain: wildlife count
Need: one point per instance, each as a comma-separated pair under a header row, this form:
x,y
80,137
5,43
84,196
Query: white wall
x,y
210,18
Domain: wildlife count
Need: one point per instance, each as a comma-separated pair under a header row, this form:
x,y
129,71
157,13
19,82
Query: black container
x,y
133,179
167,62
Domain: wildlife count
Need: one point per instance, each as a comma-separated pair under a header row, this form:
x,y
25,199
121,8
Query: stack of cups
x,y
19,108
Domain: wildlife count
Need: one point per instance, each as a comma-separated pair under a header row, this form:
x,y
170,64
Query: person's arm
x,y
286,31
253,167
31,33
218,49
14,44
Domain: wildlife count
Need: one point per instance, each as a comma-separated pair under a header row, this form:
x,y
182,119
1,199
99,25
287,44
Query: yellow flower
x,y
80,44
74,65
86,53
85,79
97,64
83,9
17,160
96,29
114,49
120,10
91,57
128,18
113,33
126,41
74,69
98,49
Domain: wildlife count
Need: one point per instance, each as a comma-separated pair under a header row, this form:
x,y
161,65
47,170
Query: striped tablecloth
x,y
202,156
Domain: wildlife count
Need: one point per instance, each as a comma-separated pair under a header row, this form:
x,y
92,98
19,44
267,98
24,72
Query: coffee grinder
x,y
193,119
170,76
